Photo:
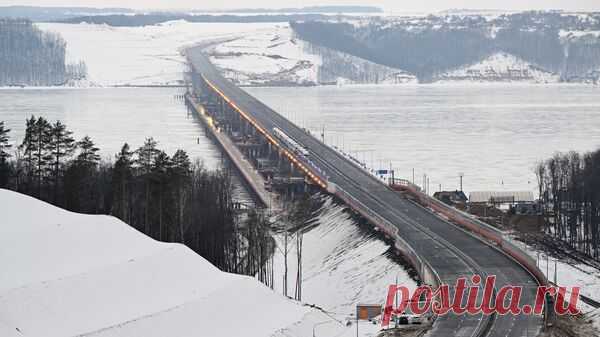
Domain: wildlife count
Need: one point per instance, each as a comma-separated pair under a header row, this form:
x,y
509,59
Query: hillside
x,y
67,274
561,43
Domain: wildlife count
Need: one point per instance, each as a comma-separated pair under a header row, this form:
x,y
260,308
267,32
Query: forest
x,y
29,56
168,197
432,45
569,189
139,20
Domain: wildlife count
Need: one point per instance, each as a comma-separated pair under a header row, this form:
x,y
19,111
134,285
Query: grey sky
x,y
388,5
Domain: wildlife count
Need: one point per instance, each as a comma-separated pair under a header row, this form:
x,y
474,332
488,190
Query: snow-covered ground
x,y
247,53
277,57
569,274
501,67
272,55
149,55
67,274
342,264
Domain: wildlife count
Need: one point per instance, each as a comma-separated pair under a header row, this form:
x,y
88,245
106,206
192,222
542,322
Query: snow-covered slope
x,y
148,55
343,264
66,274
276,57
247,53
500,67
269,56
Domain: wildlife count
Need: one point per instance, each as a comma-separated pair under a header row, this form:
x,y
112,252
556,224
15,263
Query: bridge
x,y
442,244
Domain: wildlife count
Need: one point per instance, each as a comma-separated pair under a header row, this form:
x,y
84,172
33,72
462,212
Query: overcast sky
x,y
387,5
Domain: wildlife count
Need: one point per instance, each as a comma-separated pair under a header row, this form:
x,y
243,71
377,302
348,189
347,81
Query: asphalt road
x,y
449,250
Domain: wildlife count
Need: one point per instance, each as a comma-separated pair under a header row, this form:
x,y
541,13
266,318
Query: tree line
x,y
168,197
569,189
29,56
432,45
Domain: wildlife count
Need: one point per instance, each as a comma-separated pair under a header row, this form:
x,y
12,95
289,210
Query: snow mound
x,y
67,274
501,67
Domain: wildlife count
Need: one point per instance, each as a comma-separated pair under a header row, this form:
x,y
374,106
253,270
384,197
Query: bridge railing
x,y
424,269
485,231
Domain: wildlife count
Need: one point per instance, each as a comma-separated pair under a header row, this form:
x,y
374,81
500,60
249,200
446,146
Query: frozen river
x,y
494,134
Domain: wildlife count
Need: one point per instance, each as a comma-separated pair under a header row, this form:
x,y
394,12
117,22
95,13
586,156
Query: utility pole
x,y
555,265
461,175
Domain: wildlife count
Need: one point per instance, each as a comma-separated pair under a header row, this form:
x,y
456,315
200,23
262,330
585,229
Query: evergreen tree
x,y
35,150
121,179
4,155
61,147
181,176
28,149
160,176
88,152
146,155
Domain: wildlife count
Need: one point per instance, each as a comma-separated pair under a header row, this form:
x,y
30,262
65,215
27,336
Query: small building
x,y
501,197
451,197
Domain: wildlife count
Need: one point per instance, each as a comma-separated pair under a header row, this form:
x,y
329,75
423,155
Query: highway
x,y
448,249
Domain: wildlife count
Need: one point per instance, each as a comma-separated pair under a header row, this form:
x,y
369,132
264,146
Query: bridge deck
x,y
449,250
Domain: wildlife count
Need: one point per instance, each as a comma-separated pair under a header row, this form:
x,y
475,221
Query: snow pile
x,y
501,67
149,55
342,264
67,274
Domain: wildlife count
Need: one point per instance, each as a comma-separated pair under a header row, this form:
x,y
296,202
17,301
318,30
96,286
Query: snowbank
x,y
67,274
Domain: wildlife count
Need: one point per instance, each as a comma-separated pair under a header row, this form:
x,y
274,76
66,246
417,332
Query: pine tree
x,y
37,135
4,155
122,175
88,152
28,149
160,175
61,147
181,178
145,161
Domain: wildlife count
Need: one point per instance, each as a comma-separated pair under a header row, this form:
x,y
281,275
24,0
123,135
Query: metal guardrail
x,y
505,243
426,272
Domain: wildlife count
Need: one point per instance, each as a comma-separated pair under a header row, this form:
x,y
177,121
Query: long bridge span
x,y
441,251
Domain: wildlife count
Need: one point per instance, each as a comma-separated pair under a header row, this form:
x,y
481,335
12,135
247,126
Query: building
x,y
501,197
451,197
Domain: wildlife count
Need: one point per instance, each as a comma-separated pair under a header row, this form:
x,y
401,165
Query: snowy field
x,y
269,55
246,53
149,55
67,274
